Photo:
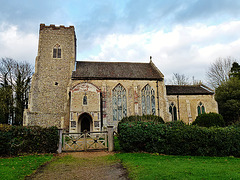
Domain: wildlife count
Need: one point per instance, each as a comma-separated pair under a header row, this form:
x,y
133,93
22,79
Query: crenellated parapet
x,y
54,27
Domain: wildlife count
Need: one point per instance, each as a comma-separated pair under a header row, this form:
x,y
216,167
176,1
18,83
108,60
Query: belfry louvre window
x,y
57,51
200,108
148,100
173,111
119,101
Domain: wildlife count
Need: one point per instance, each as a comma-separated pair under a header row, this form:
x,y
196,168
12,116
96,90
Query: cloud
x,y
16,44
186,49
208,11
182,36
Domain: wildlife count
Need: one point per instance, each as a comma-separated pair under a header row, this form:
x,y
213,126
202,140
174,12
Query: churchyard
x,y
145,148
138,165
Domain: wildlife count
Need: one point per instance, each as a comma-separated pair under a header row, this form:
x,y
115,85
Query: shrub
x,y
209,119
135,136
175,123
140,119
144,118
179,139
18,139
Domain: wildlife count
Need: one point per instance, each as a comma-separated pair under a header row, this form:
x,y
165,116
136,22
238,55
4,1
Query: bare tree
x,y
218,71
16,76
7,70
179,79
196,82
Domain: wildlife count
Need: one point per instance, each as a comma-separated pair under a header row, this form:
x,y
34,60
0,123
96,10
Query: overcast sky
x,y
182,36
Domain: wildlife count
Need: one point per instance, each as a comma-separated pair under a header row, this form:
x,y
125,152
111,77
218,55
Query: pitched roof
x,y
188,90
116,70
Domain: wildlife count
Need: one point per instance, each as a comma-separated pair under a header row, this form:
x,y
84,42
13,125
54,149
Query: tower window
x,y
57,51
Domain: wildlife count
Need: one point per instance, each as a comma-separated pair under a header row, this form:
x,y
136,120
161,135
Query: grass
x,y
149,166
19,167
117,146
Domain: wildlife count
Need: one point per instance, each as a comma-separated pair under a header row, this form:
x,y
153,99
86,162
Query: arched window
x,y
200,108
173,111
119,101
148,100
57,51
85,99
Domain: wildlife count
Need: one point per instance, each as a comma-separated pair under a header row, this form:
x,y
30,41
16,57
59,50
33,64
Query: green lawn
x,y
19,167
148,166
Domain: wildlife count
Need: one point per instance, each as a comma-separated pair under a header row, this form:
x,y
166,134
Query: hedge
x,y
144,118
209,119
18,139
179,139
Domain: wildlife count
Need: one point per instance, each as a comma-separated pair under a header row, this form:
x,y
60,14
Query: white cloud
x,y
185,49
16,44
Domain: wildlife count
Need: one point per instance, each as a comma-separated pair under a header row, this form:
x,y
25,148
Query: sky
x,y
182,36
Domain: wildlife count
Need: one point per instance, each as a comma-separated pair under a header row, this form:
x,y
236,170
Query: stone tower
x,y
49,97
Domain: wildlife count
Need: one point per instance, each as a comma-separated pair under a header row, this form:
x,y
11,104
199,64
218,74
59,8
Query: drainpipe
x,y
101,109
70,102
178,107
158,100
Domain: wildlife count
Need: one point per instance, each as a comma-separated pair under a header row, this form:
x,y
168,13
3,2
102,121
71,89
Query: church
x,y
86,95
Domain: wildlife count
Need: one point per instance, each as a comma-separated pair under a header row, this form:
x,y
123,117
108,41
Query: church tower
x,y
49,98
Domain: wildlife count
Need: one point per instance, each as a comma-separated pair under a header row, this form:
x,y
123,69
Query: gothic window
x,y
85,99
148,100
173,111
119,101
200,108
57,51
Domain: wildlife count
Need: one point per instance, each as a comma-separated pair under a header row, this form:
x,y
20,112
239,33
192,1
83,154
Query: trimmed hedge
x,y
144,118
209,120
179,139
19,139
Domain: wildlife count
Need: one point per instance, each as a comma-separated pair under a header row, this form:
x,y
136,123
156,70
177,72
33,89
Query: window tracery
x,y
57,51
148,100
173,111
201,108
119,102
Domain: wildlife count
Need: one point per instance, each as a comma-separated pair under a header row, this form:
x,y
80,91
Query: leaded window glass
x,y
148,100
119,102
173,111
200,108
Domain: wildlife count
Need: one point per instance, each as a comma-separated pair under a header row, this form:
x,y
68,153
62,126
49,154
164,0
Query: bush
x,y
179,139
175,123
18,139
209,119
144,118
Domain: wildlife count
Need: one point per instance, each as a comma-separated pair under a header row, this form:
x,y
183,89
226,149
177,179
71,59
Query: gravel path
x,y
100,165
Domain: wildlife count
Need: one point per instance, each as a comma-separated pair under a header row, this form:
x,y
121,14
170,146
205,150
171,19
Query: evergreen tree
x,y
235,70
228,96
